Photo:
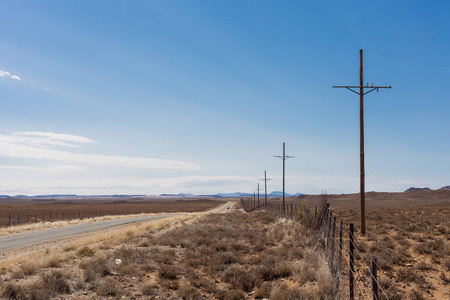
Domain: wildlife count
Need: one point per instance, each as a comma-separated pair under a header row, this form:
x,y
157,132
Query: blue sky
x,y
150,97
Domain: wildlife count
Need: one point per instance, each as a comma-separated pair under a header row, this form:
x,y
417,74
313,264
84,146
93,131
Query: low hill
x,y
378,199
414,189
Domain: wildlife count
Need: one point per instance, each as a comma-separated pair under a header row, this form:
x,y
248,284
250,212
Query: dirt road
x,y
52,234
37,237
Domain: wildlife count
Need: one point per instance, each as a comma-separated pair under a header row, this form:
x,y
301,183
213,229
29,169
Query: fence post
x,y
373,272
18,218
50,216
9,219
315,212
322,216
27,218
352,267
291,210
329,229
332,245
340,250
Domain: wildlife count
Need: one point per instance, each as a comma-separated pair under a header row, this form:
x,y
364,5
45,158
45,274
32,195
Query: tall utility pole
x,y
265,188
361,94
258,193
284,157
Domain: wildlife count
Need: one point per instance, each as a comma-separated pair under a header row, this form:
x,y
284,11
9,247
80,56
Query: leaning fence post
x,y
329,228
373,272
332,245
352,267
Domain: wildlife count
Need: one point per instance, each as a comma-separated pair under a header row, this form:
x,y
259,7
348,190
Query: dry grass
x,y
412,246
216,256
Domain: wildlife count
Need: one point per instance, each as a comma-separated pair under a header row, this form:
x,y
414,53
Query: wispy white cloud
x,y
51,137
4,74
18,78
39,146
8,75
51,169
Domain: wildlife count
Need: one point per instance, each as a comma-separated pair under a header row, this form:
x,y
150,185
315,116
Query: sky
x,y
152,97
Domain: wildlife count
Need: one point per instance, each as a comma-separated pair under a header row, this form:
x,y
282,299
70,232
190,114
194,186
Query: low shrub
x,y
230,295
149,289
189,293
263,291
167,272
170,284
107,287
56,281
85,252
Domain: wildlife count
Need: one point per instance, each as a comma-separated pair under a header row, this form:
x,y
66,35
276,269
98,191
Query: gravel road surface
x,y
37,237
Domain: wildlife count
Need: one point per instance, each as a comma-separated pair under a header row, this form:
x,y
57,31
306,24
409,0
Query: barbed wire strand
x,y
371,275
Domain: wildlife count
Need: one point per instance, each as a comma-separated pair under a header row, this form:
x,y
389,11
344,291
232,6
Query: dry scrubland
x,y
232,255
412,245
21,211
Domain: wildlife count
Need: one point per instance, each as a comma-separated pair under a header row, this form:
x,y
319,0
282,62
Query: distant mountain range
x,y
238,194
218,195
416,189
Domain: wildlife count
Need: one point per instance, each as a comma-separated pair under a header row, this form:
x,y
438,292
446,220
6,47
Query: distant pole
x,y
361,94
265,187
258,194
284,157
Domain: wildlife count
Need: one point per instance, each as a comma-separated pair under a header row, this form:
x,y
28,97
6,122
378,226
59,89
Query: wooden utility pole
x,y
361,94
258,194
265,188
284,157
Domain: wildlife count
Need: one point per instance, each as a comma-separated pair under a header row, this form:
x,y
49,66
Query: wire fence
x,y
356,279
18,218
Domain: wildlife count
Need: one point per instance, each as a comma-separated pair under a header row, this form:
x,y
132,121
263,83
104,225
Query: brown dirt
x,y
409,234
376,200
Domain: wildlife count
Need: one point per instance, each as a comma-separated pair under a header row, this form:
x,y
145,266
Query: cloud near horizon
x,y
40,146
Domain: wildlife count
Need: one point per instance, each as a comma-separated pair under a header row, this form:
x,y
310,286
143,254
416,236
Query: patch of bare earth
x,y
412,245
231,255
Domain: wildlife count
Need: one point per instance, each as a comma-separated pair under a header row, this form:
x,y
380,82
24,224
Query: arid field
x,y
408,233
239,255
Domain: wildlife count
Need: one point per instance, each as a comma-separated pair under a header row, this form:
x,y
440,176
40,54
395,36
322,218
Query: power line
x,y
265,187
361,94
258,189
284,158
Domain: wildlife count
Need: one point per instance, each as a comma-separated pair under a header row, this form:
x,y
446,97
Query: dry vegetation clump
x,y
234,255
412,246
